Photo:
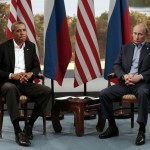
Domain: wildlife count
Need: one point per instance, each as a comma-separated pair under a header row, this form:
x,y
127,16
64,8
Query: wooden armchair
x,y
128,98
23,101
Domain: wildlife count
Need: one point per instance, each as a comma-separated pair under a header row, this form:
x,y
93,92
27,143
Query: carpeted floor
x,y
67,140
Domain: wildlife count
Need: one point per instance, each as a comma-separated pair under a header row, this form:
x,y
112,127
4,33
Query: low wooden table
x,y
77,106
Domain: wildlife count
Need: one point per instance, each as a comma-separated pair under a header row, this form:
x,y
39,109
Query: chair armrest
x,y
41,77
112,78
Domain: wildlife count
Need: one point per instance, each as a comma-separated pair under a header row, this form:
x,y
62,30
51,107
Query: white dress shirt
x,y
135,59
19,58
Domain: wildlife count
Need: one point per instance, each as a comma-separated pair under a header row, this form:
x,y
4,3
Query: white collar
x,y
16,45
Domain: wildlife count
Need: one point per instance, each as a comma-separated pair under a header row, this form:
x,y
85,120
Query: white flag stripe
x,y
9,25
78,77
48,11
17,13
111,8
82,60
30,36
13,11
88,50
89,26
28,11
30,15
91,5
87,21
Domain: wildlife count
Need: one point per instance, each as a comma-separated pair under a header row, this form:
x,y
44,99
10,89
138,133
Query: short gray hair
x,y
14,24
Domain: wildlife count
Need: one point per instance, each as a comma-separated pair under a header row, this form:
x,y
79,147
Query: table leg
x,y
79,121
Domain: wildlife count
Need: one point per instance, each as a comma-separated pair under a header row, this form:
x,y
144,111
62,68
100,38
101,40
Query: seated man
x,y
132,67
18,67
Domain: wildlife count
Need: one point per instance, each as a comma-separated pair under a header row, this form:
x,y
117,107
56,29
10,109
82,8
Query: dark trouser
x,y
41,94
113,93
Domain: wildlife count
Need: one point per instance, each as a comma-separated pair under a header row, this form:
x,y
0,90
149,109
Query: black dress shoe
x,y
140,140
28,131
110,132
22,140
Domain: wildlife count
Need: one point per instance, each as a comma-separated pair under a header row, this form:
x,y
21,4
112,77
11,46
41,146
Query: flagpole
x,y
85,89
52,87
48,117
61,115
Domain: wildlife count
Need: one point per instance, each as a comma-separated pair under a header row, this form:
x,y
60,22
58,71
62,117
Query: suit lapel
x,y
11,52
26,55
145,49
130,53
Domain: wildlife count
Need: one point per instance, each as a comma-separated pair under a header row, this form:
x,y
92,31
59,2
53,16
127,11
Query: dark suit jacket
x,y
123,63
7,59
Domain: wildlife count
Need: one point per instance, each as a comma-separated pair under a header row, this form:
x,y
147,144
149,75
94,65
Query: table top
x,y
80,99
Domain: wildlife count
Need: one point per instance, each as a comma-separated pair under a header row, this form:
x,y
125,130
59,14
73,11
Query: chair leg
x,y
1,119
23,112
132,115
44,123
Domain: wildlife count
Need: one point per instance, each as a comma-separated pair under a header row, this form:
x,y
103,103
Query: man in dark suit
x,y
132,68
18,67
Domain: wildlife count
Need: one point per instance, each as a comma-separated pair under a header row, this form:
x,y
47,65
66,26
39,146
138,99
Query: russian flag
x,y
118,32
58,49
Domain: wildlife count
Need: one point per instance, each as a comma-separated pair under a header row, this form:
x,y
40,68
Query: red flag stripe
x,y
22,10
87,57
84,37
90,40
79,73
27,18
90,14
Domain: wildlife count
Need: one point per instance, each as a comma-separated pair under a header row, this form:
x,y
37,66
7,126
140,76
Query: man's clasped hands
x,y
22,77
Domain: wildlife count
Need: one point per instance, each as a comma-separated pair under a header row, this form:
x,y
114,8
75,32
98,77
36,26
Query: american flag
x,y
87,55
21,10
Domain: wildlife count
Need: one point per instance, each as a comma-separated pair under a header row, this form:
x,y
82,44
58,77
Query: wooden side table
x,y
77,106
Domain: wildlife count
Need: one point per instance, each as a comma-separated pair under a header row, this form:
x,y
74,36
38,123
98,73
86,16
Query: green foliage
x,y
4,10
139,3
39,28
101,23
136,18
72,29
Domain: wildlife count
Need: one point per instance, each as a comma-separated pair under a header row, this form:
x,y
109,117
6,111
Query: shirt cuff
x,y
141,76
10,75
